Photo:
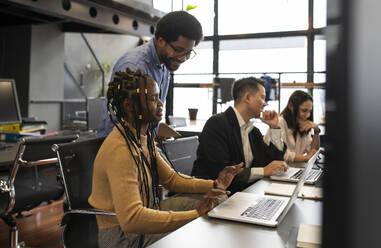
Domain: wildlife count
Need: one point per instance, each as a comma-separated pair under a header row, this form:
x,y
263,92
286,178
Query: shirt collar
x,y
241,121
154,55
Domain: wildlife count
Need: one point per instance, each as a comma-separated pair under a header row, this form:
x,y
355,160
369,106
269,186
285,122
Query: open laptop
x,y
294,174
260,209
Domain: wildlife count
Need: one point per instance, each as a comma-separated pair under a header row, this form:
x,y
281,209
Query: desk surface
x,y
209,232
196,127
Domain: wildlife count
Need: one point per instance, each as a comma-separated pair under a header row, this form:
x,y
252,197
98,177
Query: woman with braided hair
x,y
128,170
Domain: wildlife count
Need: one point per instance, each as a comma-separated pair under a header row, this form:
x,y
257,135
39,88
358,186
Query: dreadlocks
x,y
133,85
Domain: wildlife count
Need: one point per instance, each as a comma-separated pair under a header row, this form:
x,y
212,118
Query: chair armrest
x,y
89,211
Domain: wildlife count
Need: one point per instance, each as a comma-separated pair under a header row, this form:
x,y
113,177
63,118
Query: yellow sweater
x,y
116,189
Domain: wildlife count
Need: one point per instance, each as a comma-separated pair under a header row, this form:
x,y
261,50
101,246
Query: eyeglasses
x,y
188,54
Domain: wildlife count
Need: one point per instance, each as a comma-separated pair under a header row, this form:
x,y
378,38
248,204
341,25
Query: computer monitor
x,y
9,104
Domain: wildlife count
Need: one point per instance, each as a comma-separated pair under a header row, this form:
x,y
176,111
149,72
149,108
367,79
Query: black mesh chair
x,y
76,168
182,152
31,181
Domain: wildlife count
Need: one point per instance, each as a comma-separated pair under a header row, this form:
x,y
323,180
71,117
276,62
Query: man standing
x,y
230,138
177,33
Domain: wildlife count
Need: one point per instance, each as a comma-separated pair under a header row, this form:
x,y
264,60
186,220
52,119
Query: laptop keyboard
x,y
264,209
310,176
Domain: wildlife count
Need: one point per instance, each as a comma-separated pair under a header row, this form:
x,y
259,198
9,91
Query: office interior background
x,y
329,48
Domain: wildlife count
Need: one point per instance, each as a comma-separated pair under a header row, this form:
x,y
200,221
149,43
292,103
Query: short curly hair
x,y
179,23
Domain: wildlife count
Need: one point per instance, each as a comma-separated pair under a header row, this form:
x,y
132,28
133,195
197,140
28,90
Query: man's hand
x,y
225,177
273,168
209,200
270,117
307,125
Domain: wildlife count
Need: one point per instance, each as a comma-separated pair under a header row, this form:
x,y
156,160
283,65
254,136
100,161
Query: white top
x,y
246,128
301,145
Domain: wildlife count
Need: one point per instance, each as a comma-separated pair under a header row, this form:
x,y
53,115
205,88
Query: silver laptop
x,y
260,209
294,174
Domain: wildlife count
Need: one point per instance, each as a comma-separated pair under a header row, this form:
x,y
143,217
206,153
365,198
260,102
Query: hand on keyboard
x,y
274,167
280,173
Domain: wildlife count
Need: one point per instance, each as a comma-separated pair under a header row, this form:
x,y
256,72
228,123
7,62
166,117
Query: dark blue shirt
x,y
145,58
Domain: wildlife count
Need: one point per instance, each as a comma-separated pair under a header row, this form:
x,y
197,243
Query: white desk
x,y
208,232
195,127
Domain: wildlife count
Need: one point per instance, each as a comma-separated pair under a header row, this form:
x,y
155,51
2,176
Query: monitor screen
x,y
9,105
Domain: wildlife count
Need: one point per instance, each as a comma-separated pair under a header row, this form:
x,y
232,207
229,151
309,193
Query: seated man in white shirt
x,y
230,138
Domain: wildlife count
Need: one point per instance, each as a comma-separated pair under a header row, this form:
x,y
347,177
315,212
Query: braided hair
x,y
133,85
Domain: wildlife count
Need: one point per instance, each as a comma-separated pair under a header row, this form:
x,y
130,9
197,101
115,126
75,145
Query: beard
x,y
167,62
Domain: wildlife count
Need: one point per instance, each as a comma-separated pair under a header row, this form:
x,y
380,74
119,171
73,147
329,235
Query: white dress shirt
x,y
298,146
273,137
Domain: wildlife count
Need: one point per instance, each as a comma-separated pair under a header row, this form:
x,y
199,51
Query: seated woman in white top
x,y
299,133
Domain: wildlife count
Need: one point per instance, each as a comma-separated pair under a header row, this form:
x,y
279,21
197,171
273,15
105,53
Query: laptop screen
x,y
299,185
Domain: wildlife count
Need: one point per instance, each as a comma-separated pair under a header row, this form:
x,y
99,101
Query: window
x,y
204,11
264,55
284,58
163,5
200,98
320,48
320,13
202,62
257,16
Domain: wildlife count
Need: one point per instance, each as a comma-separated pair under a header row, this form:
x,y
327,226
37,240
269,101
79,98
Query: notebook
x,y
307,192
309,236
166,131
260,209
293,174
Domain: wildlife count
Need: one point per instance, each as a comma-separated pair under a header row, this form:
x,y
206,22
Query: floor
x,y
39,227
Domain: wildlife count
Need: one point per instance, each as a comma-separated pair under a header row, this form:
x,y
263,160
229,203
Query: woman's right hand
x,y
209,200
307,126
310,154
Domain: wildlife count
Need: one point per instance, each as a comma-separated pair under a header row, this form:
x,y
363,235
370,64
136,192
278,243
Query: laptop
x,y
260,209
294,174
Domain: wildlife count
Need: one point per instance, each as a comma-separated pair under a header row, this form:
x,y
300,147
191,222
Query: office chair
x,y
182,153
76,168
30,182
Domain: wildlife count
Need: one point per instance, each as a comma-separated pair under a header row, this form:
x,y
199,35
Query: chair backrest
x,y
26,187
76,168
182,153
80,231
39,148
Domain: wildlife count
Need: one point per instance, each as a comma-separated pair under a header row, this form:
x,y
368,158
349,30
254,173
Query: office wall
x,y
80,62
46,74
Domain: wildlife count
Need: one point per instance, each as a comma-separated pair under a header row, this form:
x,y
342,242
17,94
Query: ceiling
x,y
100,16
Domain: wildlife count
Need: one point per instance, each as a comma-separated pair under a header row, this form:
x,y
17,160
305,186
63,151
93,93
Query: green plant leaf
x,y
190,7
